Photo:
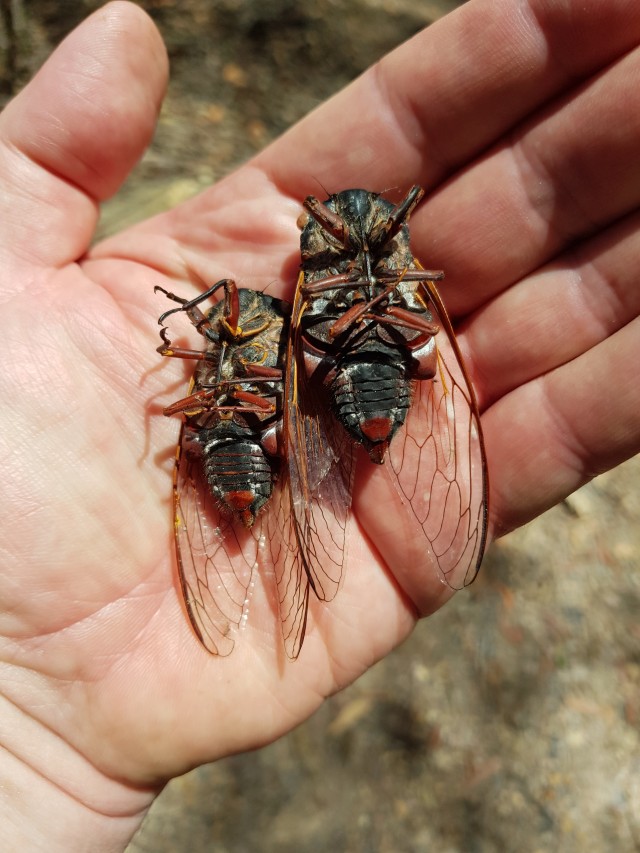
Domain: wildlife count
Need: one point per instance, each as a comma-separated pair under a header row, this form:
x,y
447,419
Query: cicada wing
x,y
320,460
438,463
321,485
217,556
288,567
306,521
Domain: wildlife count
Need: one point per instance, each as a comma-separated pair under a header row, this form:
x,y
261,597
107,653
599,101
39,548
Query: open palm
x,y
531,164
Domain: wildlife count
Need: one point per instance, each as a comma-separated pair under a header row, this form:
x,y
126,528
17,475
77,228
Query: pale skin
x,y
526,139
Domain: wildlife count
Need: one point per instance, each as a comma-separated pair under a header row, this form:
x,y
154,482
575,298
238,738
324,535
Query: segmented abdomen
x,y
239,474
371,399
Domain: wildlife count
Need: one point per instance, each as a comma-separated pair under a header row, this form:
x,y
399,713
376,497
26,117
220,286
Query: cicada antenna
x,y
322,186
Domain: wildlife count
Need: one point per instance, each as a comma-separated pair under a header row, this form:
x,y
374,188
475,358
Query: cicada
x,y
372,348
232,506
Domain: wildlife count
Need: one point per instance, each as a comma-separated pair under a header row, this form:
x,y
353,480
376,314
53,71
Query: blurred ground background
x,y
510,720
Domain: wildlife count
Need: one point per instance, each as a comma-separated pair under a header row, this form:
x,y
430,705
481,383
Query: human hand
x,y
533,216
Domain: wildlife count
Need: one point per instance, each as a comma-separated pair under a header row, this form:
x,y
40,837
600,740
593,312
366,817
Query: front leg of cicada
x,y
167,349
231,313
385,230
331,222
195,315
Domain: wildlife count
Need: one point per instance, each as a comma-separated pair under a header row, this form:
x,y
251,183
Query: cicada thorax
x,y
237,435
370,365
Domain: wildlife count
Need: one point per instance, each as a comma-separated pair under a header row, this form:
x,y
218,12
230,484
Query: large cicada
x,y
373,360
232,506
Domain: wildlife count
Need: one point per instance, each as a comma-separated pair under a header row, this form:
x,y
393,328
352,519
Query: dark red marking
x,y
377,429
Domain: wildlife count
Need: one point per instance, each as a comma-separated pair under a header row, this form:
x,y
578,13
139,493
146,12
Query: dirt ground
x,y
510,720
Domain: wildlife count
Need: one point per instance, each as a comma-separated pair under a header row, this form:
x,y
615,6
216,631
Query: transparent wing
x,y
438,463
291,578
217,556
320,459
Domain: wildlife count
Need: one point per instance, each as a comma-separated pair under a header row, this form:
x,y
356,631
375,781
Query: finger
x,y
71,137
441,98
552,435
569,173
557,313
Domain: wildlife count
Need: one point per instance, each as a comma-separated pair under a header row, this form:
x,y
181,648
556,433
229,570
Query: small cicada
x,y
232,505
373,348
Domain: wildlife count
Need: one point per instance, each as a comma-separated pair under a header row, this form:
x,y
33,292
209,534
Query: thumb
x,y
73,134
